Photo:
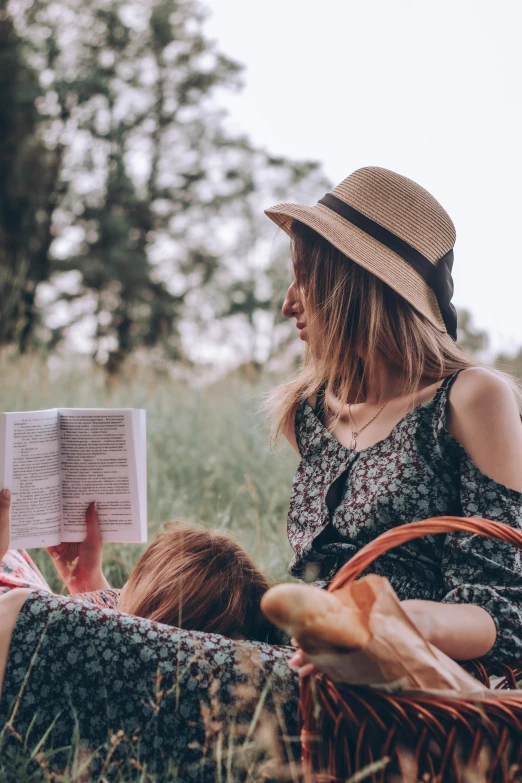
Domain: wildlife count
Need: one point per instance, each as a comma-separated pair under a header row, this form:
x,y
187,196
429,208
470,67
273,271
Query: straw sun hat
x,y
393,228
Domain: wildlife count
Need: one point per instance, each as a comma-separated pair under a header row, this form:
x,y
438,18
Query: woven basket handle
x,y
427,527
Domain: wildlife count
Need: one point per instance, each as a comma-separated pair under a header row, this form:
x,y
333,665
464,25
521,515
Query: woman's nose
x,y
292,306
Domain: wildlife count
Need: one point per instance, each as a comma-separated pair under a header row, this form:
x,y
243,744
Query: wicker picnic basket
x,y
358,733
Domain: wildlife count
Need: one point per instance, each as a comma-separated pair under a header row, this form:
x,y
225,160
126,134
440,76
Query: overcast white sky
x,y
430,90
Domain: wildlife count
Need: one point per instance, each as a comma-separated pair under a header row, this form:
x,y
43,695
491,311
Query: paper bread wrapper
x,y
397,657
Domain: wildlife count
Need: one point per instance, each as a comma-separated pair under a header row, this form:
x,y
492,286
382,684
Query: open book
x,y
55,462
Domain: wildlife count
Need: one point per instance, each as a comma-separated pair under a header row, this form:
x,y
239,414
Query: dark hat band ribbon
x,y
437,277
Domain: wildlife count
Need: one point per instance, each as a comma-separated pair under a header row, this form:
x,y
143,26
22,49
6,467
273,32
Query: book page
x,y
98,462
31,470
140,445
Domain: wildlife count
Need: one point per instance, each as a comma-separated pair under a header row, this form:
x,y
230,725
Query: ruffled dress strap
x,y
310,432
319,405
441,402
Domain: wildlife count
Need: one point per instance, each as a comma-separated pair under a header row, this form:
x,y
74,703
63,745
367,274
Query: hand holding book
x,y
80,564
56,462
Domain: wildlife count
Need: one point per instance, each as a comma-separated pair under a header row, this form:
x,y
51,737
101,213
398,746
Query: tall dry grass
x,y
208,461
207,452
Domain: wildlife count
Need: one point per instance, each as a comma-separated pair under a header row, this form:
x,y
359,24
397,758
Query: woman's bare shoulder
x,y
477,385
482,401
483,416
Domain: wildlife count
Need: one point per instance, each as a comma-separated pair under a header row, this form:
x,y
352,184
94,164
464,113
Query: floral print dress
x,y
418,471
139,696
143,697
17,569
183,702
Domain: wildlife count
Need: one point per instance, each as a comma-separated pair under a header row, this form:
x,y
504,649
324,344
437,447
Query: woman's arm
x,y
10,606
461,631
11,602
483,417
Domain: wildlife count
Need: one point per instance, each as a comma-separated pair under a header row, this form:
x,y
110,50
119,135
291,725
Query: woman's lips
x,y
301,328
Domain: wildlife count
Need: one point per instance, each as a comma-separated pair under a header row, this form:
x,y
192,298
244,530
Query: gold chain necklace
x,y
355,435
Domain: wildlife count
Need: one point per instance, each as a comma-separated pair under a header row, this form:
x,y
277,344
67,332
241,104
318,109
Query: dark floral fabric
x,y
418,471
165,698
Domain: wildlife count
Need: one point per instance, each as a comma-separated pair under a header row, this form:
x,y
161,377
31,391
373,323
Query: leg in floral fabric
x,y
17,569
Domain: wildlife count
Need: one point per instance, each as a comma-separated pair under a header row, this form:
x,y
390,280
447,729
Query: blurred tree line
x,y
130,217
475,342
127,210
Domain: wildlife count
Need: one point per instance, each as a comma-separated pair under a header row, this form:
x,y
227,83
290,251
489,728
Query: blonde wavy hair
x,y
351,313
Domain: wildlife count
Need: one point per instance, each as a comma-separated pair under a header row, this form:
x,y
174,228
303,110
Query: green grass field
x,y
207,452
208,461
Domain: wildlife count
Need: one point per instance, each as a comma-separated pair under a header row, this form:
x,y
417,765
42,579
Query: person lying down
x,y
200,580
191,578
203,580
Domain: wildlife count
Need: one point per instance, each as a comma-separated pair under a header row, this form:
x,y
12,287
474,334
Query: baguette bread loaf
x,y
315,618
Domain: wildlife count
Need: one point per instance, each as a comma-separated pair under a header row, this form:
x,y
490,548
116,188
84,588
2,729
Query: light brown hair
x,y
351,312
201,580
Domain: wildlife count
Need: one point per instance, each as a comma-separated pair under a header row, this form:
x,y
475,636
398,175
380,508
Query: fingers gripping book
x,y
55,462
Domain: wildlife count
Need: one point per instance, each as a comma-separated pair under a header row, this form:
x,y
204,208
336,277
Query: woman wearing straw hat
x,y
393,422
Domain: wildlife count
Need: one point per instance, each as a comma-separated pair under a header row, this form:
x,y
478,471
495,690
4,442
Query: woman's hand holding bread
x,y
316,619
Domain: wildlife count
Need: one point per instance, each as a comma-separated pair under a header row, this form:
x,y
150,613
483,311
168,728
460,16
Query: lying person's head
x,y
200,580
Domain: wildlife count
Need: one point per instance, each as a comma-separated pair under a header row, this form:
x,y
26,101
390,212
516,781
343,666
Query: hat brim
x,y
365,251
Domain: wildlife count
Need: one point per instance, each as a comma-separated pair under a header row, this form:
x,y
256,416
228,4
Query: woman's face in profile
x,y
294,307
